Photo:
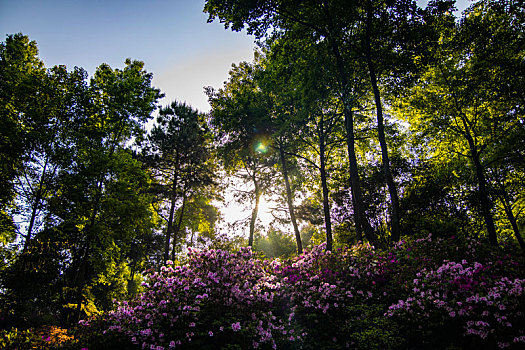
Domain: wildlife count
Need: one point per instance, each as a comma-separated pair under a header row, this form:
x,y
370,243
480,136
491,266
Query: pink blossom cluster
x,y
321,285
217,296
471,295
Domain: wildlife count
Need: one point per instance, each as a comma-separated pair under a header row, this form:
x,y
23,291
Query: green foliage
x,y
20,74
46,338
180,156
15,339
275,244
82,196
241,121
300,118
370,329
460,111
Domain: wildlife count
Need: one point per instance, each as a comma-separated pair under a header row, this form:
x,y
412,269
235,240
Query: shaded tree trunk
x,y
354,179
485,202
179,225
484,199
392,188
255,211
324,185
289,200
84,259
40,193
360,218
504,198
32,219
173,198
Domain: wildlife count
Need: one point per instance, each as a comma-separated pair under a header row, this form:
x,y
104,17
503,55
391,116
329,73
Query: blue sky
x,y
172,38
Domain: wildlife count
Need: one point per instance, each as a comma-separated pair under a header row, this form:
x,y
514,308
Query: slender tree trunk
x,y
289,200
354,187
84,256
484,199
34,209
510,215
485,202
80,281
173,199
255,211
324,184
360,218
35,206
179,225
82,271
392,188
326,202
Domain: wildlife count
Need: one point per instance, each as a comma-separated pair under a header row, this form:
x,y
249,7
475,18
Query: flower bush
x,y
44,338
333,295
468,297
216,300
425,293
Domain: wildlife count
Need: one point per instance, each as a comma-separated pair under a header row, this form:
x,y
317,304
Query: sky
x,y
172,37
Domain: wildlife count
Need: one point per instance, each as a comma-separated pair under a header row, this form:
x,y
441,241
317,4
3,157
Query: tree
x,y
317,118
240,117
50,137
21,75
463,103
491,31
80,181
102,186
319,22
179,152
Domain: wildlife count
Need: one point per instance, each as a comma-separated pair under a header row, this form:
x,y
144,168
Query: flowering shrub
x,y
467,297
44,338
334,294
434,293
218,298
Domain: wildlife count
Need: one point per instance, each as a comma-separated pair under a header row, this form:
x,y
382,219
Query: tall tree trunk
x,y
392,189
289,200
484,199
255,211
504,198
354,179
485,202
173,200
36,203
84,259
326,202
34,211
324,183
179,225
81,276
360,218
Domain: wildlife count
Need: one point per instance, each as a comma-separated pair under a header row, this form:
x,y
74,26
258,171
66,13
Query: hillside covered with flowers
x,y
422,294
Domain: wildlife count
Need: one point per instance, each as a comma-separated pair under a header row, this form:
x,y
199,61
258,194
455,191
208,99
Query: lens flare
x,y
260,147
